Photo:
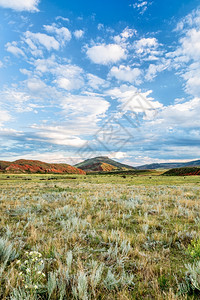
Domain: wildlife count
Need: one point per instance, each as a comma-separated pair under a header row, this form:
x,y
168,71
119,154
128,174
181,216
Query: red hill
x,y
36,166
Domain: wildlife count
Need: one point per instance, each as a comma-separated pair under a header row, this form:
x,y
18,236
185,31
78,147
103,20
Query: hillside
x,y
187,171
35,166
102,163
194,163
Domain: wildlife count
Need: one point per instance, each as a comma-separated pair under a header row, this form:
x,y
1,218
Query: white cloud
x,y
125,73
125,35
190,45
85,107
63,34
78,34
62,18
141,6
131,100
69,77
100,26
96,82
179,115
154,69
69,83
105,54
57,135
191,20
187,55
5,117
41,39
65,76
144,45
20,5
192,78
35,84
118,155
12,48
16,99
1,64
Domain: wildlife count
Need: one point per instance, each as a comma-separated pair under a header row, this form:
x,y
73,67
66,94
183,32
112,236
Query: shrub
x,y
194,249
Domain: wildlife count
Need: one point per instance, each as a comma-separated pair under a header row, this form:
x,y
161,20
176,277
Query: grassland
x,y
99,237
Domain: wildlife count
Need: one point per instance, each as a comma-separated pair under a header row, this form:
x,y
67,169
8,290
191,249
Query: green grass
x,y
98,236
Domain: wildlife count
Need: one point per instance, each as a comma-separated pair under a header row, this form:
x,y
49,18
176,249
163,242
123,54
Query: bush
x,y
194,249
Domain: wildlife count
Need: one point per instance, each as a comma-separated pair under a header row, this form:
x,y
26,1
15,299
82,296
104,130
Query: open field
x,y
99,237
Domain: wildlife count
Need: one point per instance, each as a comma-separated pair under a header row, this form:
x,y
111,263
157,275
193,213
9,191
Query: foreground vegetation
x,y
99,237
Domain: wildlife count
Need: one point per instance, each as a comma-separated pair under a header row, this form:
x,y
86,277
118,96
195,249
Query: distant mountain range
x,y
102,164
35,166
194,163
105,164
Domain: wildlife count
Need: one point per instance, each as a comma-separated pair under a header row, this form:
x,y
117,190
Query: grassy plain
x,y
99,237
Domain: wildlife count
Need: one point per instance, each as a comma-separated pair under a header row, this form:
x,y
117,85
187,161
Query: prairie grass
x,y
99,237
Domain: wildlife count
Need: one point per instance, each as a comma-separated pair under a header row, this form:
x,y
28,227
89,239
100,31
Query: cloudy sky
x,y
88,78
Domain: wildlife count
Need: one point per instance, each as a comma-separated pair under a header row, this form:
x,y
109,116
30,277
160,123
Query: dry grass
x,y
111,240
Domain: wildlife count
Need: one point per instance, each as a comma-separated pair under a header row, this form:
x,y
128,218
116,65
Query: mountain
x,y
186,171
194,163
36,166
102,163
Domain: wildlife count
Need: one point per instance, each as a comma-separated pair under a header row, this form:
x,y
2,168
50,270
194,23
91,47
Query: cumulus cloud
x,y
64,76
57,135
145,45
141,6
85,107
41,39
1,64
69,77
35,84
14,49
131,100
106,54
62,18
126,34
63,34
20,5
16,99
5,116
78,34
154,69
181,114
125,73
96,82
186,57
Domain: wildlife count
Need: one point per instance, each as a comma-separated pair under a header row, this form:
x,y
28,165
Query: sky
x,y
80,79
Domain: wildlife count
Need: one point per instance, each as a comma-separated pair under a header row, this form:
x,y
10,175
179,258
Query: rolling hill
x,y
35,166
102,164
186,171
194,163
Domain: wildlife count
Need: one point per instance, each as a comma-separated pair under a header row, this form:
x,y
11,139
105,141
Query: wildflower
x,y
43,274
18,262
35,286
39,272
20,274
26,286
28,270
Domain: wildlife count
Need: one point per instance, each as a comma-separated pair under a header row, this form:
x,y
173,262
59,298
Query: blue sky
x,y
72,74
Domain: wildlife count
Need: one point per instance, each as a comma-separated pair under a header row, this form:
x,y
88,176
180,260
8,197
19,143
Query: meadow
x,y
99,237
